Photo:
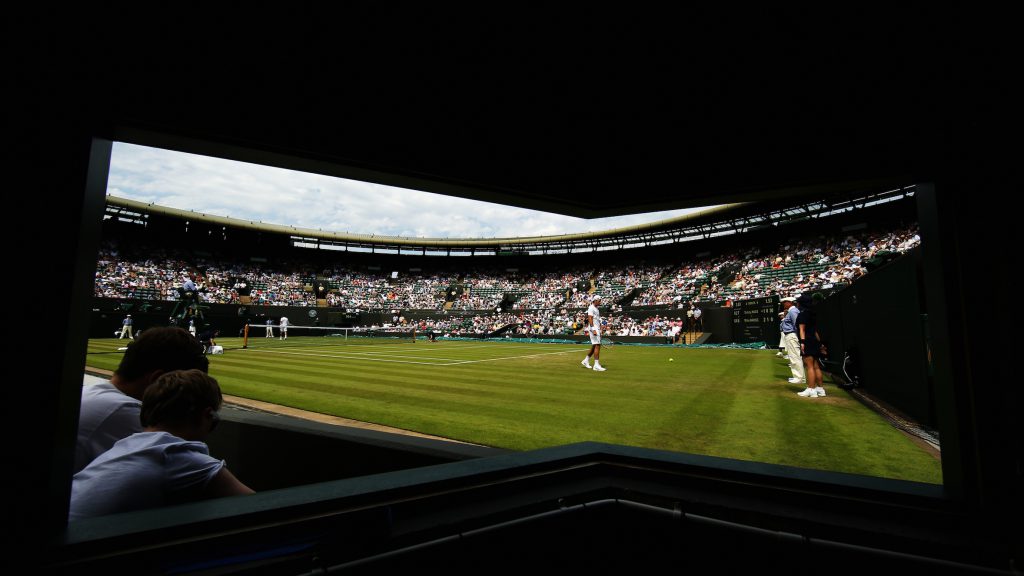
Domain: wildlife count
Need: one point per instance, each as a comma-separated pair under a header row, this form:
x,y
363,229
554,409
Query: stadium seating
x,y
820,264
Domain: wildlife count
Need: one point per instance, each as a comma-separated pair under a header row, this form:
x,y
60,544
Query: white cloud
x,y
274,195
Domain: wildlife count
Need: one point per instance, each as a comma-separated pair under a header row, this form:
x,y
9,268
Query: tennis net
x,y
256,335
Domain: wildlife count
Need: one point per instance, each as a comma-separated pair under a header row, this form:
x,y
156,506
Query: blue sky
x,y
278,196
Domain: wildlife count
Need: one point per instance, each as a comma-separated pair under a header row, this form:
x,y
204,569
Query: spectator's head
x,y
182,400
158,350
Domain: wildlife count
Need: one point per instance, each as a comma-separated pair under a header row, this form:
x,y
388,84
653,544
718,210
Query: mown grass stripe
x,y
732,403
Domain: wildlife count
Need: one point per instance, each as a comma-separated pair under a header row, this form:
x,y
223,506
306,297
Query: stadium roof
x,y
708,215
712,222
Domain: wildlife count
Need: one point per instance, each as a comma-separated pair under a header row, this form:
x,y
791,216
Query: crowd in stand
x,y
550,297
829,263
478,325
538,323
549,324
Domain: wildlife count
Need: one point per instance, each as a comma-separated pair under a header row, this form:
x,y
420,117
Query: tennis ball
x,y
671,360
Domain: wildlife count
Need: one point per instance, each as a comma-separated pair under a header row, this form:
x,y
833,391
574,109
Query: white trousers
x,y
796,363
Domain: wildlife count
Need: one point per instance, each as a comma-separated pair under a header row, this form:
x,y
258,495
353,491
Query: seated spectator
x,y
110,410
168,462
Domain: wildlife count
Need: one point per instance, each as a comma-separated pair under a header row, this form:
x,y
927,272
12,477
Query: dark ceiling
x,y
590,114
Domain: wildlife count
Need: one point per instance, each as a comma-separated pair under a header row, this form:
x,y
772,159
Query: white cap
x,y
788,299
595,297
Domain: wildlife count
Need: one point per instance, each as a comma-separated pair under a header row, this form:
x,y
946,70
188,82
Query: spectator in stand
x,y
110,410
157,273
167,462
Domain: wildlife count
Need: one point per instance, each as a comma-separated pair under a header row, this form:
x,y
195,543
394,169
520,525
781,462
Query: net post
x,y
245,336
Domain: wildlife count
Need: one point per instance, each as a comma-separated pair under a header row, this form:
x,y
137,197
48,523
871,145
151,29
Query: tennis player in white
x,y
594,330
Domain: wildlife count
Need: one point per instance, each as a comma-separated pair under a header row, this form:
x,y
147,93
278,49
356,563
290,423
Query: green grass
x,y
731,403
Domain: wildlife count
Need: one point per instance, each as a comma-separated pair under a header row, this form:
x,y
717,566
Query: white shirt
x,y
596,315
284,322
106,416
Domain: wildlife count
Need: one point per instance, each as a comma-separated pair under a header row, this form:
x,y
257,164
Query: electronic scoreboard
x,y
756,320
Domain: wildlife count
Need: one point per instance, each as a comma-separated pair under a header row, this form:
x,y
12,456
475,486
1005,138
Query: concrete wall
x,y
269,451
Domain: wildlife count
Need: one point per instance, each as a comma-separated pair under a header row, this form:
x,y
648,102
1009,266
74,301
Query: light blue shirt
x,y
144,470
789,321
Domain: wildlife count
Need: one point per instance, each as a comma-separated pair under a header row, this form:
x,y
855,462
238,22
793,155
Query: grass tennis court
x,y
732,403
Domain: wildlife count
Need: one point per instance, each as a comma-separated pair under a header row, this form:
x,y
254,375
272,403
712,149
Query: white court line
x,y
509,357
339,349
442,361
390,351
331,345
354,354
384,347
371,359
504,345
477,347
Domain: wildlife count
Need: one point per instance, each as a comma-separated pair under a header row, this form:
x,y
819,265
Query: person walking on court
x,y
593,328
284,328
